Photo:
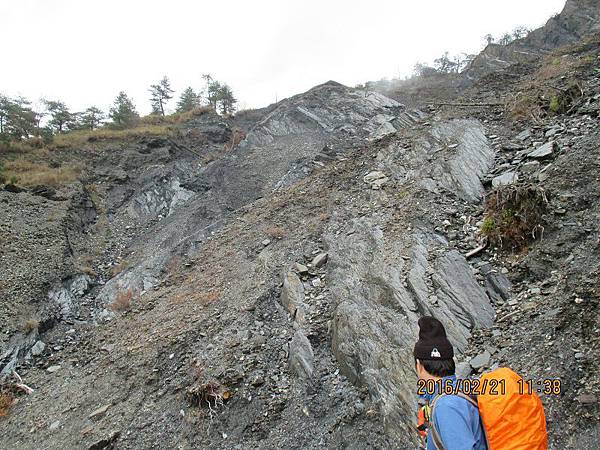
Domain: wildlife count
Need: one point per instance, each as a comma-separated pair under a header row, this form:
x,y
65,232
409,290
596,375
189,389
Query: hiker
x,y
456,420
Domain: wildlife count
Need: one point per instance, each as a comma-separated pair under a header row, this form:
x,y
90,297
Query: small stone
x,y
505,179
99,412
579,355
587,399
530,167
560,212
301,355
316,282
301,269
543,151
523,135
107,348
320,260
481,360
38,348
552,131
54,425
53,369
463,370
376,179
511,146
535,291
266,242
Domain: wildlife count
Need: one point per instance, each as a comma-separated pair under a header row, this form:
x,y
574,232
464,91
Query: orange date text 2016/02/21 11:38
x,y
474,386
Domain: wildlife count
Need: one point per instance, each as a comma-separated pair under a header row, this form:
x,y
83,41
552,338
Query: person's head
x,y
433,352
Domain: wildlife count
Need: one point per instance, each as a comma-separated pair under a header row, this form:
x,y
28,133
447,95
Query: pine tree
x,y
17,120
212,90
91,118
4,111
60,116
226,99
123,112
161,94
188,100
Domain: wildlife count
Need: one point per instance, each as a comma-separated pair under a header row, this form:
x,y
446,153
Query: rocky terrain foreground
x,y
191,291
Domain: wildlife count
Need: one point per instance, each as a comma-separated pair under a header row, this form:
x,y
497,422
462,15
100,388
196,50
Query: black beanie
x,y
433,343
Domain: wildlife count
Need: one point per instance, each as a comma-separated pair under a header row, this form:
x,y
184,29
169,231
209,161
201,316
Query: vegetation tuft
x,y
513,215
6,401
122,301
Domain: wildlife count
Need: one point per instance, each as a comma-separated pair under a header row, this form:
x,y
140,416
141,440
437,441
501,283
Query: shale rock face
x,y
193,201
383,282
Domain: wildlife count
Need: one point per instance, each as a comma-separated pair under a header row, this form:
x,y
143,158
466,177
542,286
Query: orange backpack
x,y
513,418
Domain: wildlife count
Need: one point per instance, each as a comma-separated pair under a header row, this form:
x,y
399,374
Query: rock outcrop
x,y
577,19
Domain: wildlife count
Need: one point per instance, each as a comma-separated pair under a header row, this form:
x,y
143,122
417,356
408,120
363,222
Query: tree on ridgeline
x,y
91,118
161,93
17,119
520,32
444,64
61,119
489,39
505,39
188,100
211,90
424,70
123,112
4,111
226,99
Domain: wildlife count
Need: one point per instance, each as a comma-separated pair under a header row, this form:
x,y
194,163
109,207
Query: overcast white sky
x,y
84,52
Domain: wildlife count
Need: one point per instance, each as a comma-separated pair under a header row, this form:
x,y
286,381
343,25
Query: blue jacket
x,y
457,422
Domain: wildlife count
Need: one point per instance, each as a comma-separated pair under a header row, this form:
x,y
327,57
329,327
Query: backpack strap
x,y
435,435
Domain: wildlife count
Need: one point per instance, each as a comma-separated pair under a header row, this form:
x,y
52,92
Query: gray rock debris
x,y
292,296
376,179
530,167
463,370
480,361
543,151
505,179
38,348
320,260
301,357
301,269
523,135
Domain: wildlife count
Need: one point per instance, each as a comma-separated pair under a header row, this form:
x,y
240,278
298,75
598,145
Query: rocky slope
x,y
577,19
192,292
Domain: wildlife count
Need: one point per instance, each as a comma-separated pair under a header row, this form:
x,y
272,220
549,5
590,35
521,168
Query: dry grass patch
x,y
122,301
28,173
30,325
80,138
6,401
275,232
176,118
513,215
